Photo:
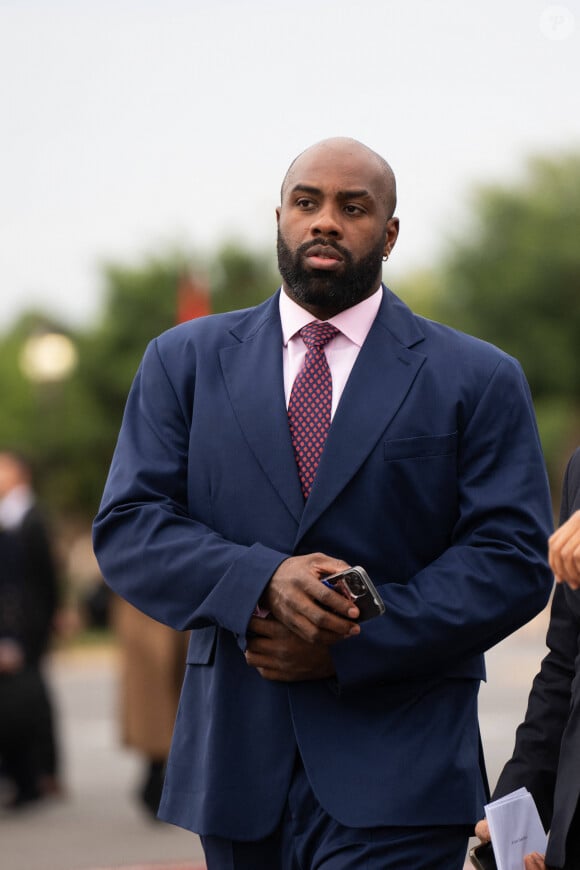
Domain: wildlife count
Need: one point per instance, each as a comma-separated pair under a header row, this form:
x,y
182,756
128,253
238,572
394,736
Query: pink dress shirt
x,y
354,324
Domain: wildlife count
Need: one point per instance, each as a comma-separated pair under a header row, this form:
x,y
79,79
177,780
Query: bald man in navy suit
x,y
305,739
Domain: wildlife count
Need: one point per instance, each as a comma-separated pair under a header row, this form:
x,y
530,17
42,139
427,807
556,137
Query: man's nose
x,y
327,222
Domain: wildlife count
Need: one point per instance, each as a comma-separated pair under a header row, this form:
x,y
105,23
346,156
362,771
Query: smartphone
x,y
482,857
356,585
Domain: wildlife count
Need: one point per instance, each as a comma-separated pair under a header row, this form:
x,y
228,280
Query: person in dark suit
x,y
546,756
304,739
29,591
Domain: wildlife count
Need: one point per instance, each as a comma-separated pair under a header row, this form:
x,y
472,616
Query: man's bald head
x,y
345,147
335,225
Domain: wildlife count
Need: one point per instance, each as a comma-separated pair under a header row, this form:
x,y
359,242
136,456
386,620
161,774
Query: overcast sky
x,y
128,125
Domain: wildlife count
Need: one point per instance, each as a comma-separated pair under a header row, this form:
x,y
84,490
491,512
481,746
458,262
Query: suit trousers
x,y
309,839
25,716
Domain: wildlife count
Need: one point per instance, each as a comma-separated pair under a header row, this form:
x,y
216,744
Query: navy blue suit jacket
x,y
432,478
546,757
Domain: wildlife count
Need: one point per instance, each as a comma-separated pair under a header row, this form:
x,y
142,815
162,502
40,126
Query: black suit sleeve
x,y
534,762
537,748
571,488
40,582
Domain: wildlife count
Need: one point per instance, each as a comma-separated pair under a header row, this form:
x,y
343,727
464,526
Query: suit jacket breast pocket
x,y
421,491
421,447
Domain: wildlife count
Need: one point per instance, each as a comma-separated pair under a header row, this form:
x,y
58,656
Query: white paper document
x,y
515,828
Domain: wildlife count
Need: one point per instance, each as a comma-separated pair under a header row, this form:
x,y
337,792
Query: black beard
x,y
327,290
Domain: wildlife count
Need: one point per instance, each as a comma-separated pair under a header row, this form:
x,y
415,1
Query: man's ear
x,y
278,209
392,235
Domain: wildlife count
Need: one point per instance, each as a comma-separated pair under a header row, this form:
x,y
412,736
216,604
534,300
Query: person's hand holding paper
x,y
535,861
516,831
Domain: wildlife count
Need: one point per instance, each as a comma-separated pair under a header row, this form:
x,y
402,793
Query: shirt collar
x,y
354,322
14,506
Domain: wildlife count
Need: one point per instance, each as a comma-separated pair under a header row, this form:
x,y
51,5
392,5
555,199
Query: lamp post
x,y
47,359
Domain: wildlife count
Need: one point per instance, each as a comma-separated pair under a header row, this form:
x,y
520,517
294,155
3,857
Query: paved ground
x,y
100,825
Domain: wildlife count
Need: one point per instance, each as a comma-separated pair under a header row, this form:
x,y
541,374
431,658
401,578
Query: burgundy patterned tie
x,y
310,403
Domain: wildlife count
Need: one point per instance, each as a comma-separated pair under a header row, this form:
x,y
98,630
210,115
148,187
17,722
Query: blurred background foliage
x,y
510,276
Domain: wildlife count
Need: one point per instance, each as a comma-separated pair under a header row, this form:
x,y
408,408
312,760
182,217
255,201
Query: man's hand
x,y
278,653
482,831
297,597
564,552
533,861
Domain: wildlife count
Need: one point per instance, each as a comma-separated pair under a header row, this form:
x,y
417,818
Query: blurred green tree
x,y
69,428
514,279
240,278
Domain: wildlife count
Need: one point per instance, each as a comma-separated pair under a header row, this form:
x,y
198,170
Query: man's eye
x,y
303,202
353,209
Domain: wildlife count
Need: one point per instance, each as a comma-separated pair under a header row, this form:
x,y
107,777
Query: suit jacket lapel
x,y
378,384
253,374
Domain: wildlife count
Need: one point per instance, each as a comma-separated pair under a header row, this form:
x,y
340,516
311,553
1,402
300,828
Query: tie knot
x,y
316,335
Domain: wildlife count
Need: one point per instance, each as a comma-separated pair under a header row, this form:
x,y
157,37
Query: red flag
x,y
192,298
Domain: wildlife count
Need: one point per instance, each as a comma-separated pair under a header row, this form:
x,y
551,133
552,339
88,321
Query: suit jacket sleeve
x,y
40,577
154,554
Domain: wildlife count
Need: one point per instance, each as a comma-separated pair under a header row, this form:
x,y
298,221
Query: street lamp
x,y
48,357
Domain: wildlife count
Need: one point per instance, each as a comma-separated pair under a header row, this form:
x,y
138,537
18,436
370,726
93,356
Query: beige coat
x,y
152,669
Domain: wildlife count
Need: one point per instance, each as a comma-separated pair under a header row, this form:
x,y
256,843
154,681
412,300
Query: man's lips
x,y
323,257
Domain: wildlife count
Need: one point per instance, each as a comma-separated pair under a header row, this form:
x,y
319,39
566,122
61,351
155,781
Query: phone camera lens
x,y
355,584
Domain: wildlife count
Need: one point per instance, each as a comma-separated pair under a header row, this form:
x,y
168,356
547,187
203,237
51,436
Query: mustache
x,y
326,243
